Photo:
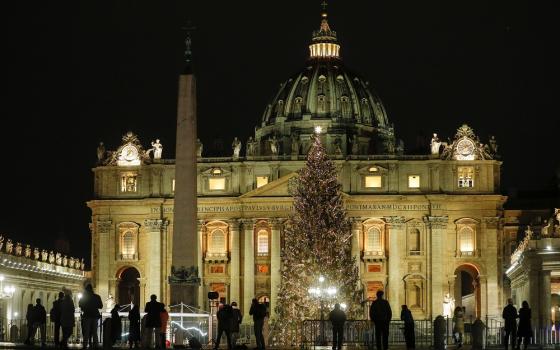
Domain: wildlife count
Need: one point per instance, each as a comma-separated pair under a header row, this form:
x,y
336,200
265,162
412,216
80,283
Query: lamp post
x,y
322,292
6,292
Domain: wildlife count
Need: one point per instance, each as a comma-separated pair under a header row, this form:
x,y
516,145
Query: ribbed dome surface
x,y
326,90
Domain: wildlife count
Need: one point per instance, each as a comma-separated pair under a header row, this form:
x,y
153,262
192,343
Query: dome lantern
x,y
324,43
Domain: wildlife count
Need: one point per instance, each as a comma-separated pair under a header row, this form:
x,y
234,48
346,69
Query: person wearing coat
x,y
510,322
30,318
409,337
380,313
237,319
337,318
164,316
524,330
153,320
116,324
134,328
67,318
225,321
458,326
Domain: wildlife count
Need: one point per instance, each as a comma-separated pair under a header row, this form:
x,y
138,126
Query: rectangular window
x,y
217,183
465,177
221,289
261,181
373,181
129,182
413,181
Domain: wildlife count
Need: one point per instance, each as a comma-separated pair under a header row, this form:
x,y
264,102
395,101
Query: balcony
x,y
128,256
373,255
214,257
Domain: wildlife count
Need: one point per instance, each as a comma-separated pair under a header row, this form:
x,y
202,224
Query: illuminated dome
x,y
325,94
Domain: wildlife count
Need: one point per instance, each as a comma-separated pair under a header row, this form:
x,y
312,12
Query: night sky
x,y
85,72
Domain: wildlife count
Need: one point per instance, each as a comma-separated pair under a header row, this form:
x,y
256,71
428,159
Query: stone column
x,y
545,293
202,292
356,251
275,245
154,268
438,249
248,267
103,230
493,271
396,240
234,267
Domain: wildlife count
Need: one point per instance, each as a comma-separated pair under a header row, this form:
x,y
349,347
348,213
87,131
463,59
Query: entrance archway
x,y
129,286
467,290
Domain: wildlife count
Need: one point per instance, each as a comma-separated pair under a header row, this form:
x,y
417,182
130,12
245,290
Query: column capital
x,y
276,223
234,224
104,226
155,225
491,222
395,222
248,224
437,222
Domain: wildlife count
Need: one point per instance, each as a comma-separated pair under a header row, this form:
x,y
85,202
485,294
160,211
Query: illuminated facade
x,y
424,225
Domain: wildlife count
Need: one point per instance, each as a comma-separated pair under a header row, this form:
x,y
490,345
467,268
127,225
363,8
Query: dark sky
x,y
89,71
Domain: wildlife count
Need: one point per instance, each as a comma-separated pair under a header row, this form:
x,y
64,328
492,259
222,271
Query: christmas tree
x,y
317,242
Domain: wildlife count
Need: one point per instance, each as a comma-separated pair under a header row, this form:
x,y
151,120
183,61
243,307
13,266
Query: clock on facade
x,y
129,153
465,149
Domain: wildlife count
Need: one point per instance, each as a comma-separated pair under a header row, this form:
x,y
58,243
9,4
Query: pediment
x,y
276,188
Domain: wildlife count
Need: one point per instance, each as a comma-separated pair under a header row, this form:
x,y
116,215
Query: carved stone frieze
x,y
104,226
156,225
395,222
437,222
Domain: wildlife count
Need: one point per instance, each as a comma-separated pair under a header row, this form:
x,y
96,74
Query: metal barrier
x,y
362,333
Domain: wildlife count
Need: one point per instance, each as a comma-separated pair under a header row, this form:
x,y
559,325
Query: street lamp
x,y
322,292
6,292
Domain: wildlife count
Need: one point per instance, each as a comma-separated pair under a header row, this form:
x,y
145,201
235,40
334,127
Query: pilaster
x,y
154,229
356,250
396,240
103,231
234,267
276,227
248,266
438,227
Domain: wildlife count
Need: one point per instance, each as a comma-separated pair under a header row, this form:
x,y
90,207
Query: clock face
x,y
129,153
465,149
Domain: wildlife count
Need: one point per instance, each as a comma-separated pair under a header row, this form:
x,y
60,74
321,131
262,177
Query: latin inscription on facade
x,y
229,208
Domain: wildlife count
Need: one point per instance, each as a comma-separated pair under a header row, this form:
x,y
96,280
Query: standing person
x,y
524,330
40,321
237,319
90,303
409,337
380,313
458,326
134,331
153,321
30,318
510,319
67,318
164,316
116,324
258,311
55,318
337,318
225,322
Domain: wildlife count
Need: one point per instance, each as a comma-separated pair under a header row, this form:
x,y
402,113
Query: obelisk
x,y
184,275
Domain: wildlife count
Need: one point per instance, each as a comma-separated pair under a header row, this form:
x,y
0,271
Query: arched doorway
x,y
467,290
129,286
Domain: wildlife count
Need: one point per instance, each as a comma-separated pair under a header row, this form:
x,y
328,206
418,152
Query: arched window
x,y
262,243
217,241
128,245
466,240
373,243
414,241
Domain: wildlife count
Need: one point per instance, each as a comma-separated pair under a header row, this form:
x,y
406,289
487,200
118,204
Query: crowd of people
x,y
150,330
